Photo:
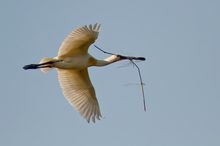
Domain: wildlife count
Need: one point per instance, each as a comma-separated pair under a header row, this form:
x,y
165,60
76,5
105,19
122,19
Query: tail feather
x,y
44,60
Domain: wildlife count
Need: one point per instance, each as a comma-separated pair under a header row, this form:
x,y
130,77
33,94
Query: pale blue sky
x,y
179,38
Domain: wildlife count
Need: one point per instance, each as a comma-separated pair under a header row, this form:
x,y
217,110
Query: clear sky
x,y
179,38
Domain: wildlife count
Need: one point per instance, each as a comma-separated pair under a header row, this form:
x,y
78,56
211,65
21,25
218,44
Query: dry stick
x,y
103,50
142,84
139,71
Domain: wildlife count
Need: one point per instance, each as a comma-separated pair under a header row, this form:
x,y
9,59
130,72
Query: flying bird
x,y
72,64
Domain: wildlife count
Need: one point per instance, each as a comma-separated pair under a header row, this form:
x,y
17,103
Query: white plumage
x,y
72,64
75,83
78,90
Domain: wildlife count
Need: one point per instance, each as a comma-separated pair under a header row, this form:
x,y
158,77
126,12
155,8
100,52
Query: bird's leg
x,y
41,65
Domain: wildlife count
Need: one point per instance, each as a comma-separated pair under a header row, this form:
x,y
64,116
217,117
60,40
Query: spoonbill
x,y
72,64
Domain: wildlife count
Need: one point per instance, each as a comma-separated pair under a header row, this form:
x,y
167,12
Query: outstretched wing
x,y
78,90
78,41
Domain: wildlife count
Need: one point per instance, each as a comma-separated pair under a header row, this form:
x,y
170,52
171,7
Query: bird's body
x,y
72,62
77,62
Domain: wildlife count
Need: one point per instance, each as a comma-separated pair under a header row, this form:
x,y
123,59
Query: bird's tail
x,y
46,69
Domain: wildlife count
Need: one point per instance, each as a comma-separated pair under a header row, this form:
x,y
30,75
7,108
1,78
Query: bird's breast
x,y
78,62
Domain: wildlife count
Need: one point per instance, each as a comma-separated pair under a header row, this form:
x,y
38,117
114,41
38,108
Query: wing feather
x,y
78,90
78,41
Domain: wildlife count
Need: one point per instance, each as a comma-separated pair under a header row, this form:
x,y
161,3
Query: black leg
x,y
36,66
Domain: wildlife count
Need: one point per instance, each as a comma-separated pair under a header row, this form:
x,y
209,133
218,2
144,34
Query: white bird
x,y
72,64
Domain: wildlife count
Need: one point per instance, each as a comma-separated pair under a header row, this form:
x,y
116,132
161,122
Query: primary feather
x,y
78,90
78,41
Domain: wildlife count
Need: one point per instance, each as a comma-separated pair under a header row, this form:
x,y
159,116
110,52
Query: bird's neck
x,y
107,61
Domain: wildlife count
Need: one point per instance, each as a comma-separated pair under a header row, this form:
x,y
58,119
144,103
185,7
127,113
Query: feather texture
x,y
78,90
78,41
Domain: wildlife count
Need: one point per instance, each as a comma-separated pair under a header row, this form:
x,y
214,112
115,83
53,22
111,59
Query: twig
x,y
139,71
142,84
103,50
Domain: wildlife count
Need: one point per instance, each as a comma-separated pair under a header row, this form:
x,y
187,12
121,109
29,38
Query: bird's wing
x,y
78,41
78,90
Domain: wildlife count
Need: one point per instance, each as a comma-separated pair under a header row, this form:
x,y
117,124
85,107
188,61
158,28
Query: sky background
x,y
179,38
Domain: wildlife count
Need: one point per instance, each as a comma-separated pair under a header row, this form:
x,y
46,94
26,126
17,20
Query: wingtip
x,y
97,26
